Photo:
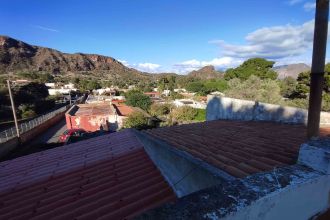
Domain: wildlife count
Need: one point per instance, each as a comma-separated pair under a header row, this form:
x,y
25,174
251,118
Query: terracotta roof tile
x,y
240,148
109,177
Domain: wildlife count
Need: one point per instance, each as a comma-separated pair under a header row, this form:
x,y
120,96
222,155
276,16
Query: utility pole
x,y
13,107
318,62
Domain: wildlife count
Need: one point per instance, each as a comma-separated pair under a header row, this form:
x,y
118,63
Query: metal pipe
x,y
13,107
317,72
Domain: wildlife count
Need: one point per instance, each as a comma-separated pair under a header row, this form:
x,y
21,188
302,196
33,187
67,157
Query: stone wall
x,y
236,109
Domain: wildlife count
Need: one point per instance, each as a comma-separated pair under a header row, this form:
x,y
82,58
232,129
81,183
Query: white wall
x,y
237,109
298,202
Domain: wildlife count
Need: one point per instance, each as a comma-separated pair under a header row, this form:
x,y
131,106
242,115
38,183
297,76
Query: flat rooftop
x,y
240,148
93,110
123,109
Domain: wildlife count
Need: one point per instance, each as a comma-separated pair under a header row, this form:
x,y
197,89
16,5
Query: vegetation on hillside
x,y
30,100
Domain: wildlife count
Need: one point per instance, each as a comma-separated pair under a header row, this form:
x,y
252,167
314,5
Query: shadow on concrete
x,y
235,109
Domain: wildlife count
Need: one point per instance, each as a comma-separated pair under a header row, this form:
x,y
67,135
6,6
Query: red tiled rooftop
x,y
109,177
239,148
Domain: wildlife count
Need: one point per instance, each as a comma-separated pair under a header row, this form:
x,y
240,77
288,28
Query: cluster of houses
x,y
104,109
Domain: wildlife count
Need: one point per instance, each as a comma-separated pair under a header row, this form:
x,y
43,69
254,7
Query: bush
x,y
138,99
136,120
28,114
160,109
184,114
255,89
298,103
26,111
201,115
175,95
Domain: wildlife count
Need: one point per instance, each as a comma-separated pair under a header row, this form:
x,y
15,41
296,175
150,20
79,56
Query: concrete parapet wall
x,y
294,192
236,109
184,173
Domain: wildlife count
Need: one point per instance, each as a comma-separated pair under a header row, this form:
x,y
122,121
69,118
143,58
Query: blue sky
x,y
167,35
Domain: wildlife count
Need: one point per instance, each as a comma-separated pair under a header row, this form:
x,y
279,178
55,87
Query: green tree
x,y
255,66
216,85
136,120
136,98
31,93
288,86
197,87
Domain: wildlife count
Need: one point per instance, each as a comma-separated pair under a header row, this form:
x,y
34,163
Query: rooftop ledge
x,y
299,191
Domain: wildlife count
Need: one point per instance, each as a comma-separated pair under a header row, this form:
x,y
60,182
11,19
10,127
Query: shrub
x,y
201,115
255,89
28,114
184,114
160,109
136,120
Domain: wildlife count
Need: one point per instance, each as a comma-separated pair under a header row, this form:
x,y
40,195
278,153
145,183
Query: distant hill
x,y
18,56
292,70
207,72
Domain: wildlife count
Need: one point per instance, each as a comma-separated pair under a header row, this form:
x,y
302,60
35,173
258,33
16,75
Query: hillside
x,y
207,72
17,56
292,70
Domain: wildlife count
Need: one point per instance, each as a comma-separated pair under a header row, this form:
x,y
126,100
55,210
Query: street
x,y
51,135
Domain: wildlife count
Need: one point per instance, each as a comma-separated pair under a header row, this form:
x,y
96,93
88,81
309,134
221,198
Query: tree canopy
x,y
136,98
255,66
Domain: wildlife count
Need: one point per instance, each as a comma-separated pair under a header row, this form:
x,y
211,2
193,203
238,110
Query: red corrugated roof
x,y
239,148
108,177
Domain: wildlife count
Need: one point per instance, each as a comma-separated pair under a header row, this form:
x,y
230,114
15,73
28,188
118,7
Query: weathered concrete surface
x,y
183,172
316,154
236,109
294,192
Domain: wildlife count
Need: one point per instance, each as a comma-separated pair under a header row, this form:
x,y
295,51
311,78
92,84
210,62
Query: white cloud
x,y
272,42
309,6
145,67
148,67
219,63
44,28
294,2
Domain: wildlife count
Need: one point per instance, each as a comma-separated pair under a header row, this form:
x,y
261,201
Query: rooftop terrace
x,y
240,148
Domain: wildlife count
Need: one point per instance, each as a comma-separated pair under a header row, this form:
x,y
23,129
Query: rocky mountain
x,y
292,70
207,72
18,56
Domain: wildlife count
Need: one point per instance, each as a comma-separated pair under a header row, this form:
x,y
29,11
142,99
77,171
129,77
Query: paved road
x,y
52,134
